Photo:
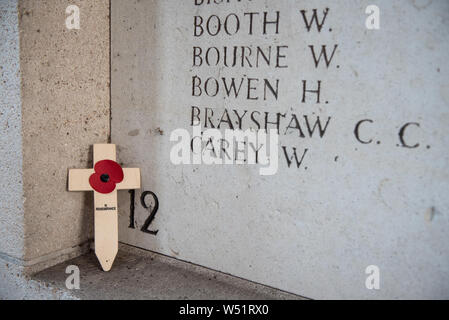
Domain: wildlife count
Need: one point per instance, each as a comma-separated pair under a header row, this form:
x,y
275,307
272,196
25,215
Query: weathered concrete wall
x,y
54,104
11,209
65,97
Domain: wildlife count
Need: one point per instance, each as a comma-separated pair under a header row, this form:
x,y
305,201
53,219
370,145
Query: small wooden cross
x,y
105,201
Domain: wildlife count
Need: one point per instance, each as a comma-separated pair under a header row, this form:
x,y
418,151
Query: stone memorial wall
x,y
354,99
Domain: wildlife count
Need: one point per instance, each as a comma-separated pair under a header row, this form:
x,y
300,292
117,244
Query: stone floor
x,y
139,274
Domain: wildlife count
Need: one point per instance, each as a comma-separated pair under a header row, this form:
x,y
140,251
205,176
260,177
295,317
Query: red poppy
x,y
107,174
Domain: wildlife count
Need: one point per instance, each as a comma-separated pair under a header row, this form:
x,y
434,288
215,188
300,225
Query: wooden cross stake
x,y
105,203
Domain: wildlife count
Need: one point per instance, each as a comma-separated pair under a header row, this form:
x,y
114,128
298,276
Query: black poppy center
x,y
105,177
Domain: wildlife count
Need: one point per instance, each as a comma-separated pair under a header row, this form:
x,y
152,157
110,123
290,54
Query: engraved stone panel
x,y
360,98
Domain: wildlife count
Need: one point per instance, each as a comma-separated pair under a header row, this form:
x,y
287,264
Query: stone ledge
x,y
139,274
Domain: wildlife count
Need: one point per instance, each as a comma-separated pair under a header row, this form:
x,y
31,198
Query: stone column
x,y
54,104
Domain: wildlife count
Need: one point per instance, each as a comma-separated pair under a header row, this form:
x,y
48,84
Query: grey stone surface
x,y
139,274
11,183
378,206
65,109
311,229
16,284
54,104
